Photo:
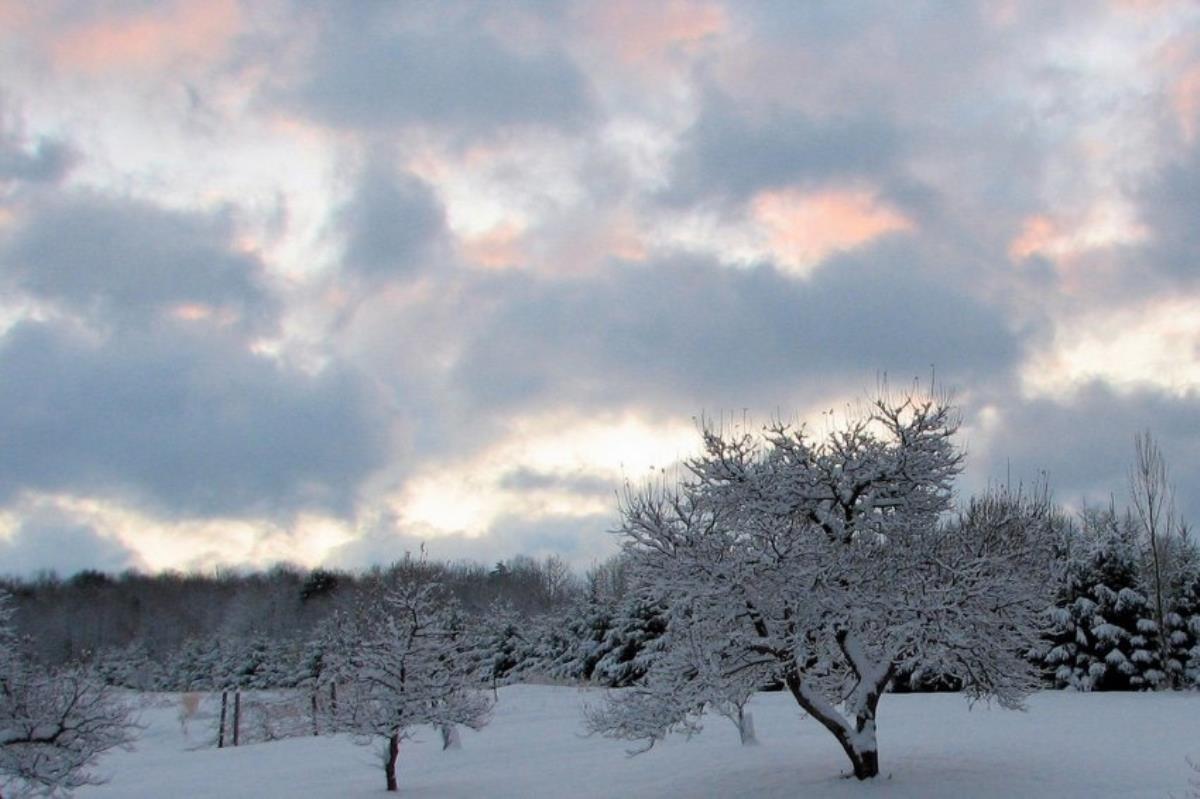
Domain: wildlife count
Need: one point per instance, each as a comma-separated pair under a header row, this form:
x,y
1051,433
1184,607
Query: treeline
x,y
1126,614
93,613
536,619
524,618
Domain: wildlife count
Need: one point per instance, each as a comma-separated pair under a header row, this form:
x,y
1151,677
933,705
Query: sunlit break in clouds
x,y
319,282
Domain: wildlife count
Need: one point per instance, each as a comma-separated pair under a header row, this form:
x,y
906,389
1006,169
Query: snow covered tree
x,y
1183,622
552,645
571,642
499,646
197,666
681,670
54,723
410,671
1154,503
829,565
1104,636
326,663
128,666
639,620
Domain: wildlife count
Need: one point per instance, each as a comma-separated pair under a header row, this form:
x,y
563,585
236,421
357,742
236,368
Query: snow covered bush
x,y
830,565
54,722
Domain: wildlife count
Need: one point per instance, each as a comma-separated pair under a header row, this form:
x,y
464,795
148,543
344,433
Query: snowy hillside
x,y
1068,744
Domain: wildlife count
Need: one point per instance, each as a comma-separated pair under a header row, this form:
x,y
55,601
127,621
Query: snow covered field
x,y
1067,745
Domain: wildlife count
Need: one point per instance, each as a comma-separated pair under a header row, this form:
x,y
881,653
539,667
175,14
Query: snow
x,y
1067,744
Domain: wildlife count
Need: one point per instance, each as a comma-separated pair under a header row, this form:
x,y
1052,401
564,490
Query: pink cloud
x,y
645,33
1145,6
1038,235
498,247
1185,101
149,39
803,228
581,248
1083,246
1179,63
15,15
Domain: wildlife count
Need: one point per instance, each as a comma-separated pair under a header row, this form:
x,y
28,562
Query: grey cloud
x,y
695,334
580,540
373,75
126,261
51,542
880,93
1163,266
1083,443
392,224
184,421
45,159
47,162
726,154
526,479
1170,207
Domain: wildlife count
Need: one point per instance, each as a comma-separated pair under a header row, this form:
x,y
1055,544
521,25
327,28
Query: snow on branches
x,y
54,723
830,566
412,669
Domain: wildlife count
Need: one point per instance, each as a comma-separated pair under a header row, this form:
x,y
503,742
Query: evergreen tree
x,y
1105,637
627,647
500,646
1183,621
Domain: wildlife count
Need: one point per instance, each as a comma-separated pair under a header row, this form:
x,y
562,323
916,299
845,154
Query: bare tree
x,y
54,723
556,579
829,566
1154,505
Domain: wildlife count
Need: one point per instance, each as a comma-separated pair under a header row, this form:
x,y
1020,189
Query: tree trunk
x,y
313,702
237,716
221,728
450,738
745,722
389,763
858,744
864,739
869,761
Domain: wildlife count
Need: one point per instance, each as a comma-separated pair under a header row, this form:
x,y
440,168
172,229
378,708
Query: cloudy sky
x,y
315,282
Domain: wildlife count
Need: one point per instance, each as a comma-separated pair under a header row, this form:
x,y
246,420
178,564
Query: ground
x,y
1066,745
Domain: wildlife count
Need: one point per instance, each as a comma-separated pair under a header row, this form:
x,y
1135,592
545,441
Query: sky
x,y
321,282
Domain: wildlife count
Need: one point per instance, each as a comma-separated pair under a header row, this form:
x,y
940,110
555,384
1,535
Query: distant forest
x,y
86,616
537,619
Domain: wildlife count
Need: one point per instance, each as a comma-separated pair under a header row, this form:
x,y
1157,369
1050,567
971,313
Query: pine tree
x,y
1105,637
625,652
499,646
1184,619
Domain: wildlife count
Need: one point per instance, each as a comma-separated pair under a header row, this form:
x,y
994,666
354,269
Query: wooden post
x,y
221,729
237,716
